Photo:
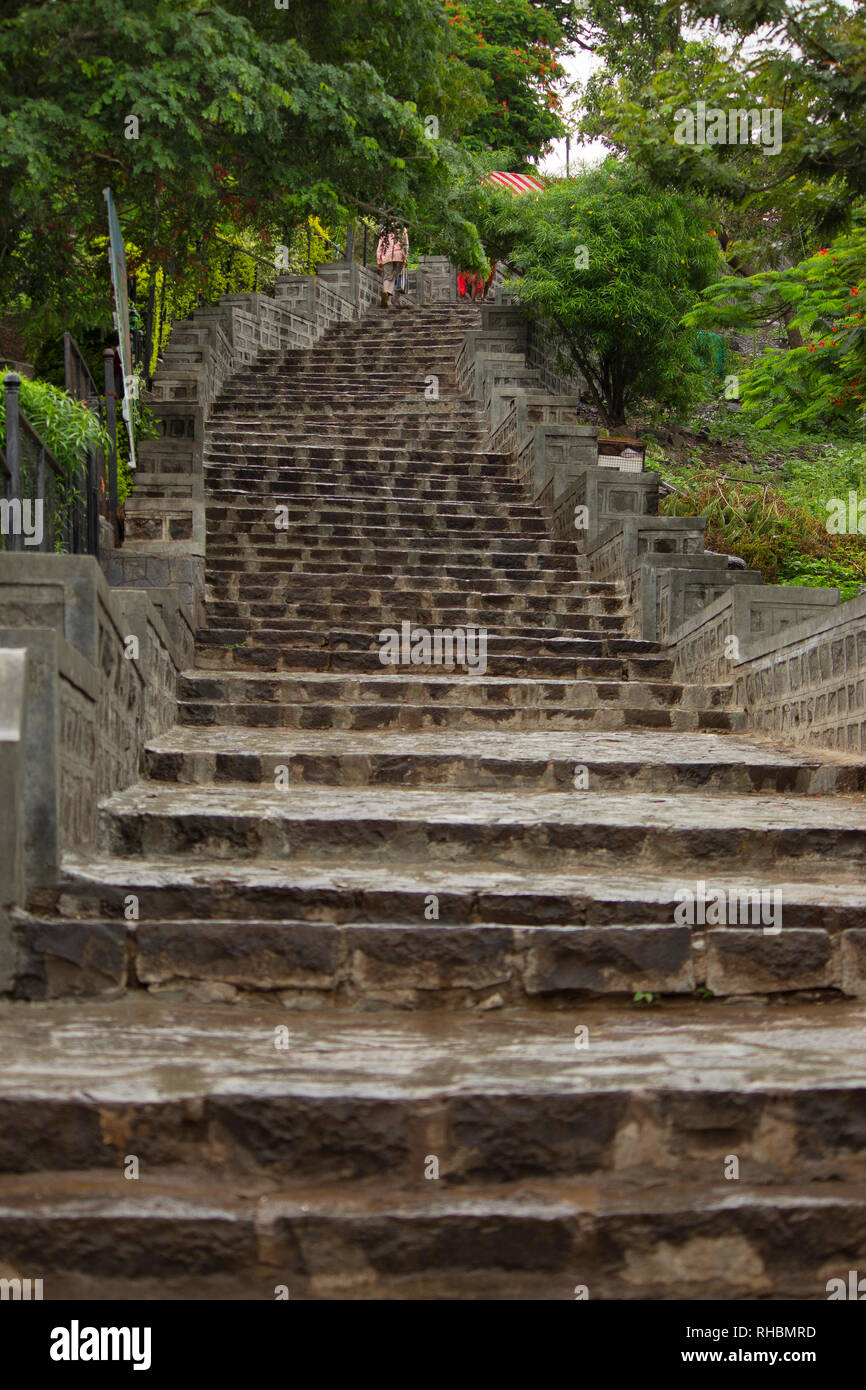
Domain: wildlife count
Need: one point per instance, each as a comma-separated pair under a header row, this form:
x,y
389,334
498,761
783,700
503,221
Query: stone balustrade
x,y
87,675
797,661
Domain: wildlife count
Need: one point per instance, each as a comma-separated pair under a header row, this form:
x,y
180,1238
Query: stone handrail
x,y
97,672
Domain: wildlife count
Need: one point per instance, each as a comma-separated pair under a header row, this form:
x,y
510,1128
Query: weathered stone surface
x,y
612,959
331,1138
428,958
263,956
72,958
373,1034
748,961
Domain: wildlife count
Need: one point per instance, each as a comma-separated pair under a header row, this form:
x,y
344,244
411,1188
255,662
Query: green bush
x,y
777,524
67,428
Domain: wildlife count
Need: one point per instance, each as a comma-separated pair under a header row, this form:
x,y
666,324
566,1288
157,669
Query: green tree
x,y
203,116
806,62
821,381
614,263
630,40
516,46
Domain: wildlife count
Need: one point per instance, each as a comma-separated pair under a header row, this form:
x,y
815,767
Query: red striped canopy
x,y
518,183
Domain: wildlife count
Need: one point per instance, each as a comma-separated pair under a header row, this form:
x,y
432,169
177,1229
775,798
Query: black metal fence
x,y
32,482
43,506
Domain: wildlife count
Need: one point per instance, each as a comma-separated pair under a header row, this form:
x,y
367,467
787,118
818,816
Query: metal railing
x,y
265,272
30,491
98,481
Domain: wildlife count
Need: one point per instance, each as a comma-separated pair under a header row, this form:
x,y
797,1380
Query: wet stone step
x,y
466,716
526,641
408,688
190,1237
738,960
420,824
282,655
504,1094
654,762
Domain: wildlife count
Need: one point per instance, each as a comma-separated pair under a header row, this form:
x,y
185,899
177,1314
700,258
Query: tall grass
x,y
778,527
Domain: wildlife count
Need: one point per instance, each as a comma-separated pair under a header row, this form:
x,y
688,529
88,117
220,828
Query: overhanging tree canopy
x,y
200,114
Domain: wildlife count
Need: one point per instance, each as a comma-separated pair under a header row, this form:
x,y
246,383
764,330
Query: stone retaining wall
x,y
91,700
792,657
606,496
545,353
801,669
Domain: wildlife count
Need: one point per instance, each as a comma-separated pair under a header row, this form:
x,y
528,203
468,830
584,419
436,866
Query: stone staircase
x,y
360,950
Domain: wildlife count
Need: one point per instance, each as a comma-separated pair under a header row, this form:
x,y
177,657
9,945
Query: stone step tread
x,y
314,643
163,1051
253,1202
370,679
357,603
541,760
400,687
433,806
188,1235
555,652
829,887
345,499
332,491
317,522
454,715
661,749
338,593
262,505
360,619
350,651
295,614
438,562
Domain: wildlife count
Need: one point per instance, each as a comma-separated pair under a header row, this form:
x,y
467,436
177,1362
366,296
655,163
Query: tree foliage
x,y
201,116
806,62
614,263
515,45
821,381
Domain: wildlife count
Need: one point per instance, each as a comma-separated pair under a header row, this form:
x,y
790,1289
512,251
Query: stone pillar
x,y
13,682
